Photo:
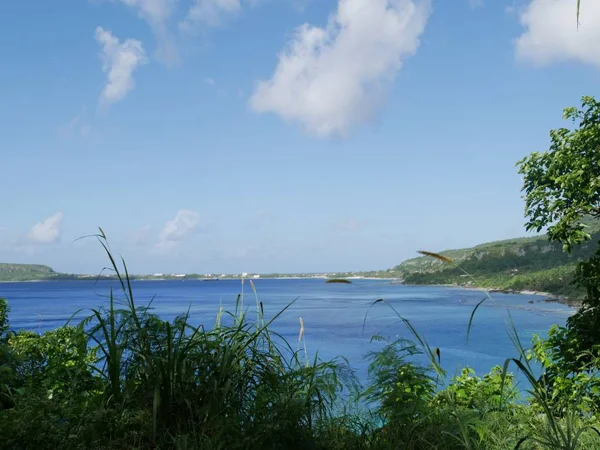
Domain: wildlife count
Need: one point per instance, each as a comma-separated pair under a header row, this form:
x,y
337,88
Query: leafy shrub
x,y
400,388
493,392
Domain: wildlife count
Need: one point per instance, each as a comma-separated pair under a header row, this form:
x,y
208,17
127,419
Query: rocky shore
x,y
549,298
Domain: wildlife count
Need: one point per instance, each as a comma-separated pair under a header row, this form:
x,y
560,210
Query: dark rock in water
x,y
339,280
502,291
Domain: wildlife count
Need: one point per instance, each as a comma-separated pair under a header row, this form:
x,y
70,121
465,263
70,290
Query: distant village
x,y
225,276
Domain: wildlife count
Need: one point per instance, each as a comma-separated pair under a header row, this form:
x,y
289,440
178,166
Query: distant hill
x,y
26,272
531,263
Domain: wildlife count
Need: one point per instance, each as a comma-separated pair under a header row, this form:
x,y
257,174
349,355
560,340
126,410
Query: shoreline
x,y
547,296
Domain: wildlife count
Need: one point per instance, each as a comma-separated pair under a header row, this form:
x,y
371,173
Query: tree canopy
x,y
562,185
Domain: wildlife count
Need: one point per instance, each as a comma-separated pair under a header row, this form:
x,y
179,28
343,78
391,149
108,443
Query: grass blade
x,y
472,316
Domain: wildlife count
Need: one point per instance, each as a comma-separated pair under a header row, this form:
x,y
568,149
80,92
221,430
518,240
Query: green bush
x,y
493,392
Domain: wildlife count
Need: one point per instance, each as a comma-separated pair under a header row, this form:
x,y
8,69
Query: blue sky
x,y
276,135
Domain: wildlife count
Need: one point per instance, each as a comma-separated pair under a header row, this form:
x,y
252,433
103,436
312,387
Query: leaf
x,y
521,442
473,315
435,255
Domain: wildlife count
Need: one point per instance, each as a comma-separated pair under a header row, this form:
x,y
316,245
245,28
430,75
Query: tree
x,y
562,193
562,185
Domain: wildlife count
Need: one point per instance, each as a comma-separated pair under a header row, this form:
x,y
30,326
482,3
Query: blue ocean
x,y
339,319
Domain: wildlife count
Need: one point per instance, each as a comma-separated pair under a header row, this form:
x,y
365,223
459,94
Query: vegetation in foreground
x,y
124,378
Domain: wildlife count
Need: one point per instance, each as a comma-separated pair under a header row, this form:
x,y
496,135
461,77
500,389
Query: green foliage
x,y
562,185
401,388
4,310
57,362
587,275
571,375
490,393
562,193
556,420
6,373
481,408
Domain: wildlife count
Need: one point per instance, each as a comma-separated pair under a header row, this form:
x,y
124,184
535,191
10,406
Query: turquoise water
x,y
333,314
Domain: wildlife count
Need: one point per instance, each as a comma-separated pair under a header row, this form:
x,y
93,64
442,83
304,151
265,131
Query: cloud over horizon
x,y
331,79
551,33
120,60
177,229
47,231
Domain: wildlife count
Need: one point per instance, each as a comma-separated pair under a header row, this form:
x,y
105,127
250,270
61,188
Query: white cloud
x,y
551,33
120,61
47,231
209,12
156,13
334,78
177,229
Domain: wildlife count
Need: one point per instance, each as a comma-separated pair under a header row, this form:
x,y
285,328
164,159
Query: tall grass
x,y
240,384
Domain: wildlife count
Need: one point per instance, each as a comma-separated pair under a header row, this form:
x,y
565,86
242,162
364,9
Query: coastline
x,y
547,296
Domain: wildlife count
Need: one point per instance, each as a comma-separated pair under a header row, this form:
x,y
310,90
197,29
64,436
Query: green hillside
x,y
25,272
531,263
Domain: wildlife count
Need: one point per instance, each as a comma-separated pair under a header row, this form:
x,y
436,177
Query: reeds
x,y
239,380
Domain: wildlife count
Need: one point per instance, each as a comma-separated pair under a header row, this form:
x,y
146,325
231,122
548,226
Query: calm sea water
x,y
333,314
